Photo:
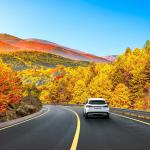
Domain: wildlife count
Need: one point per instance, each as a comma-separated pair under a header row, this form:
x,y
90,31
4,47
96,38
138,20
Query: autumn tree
x,y
10,87
80,93
147,46
128,51
125,82
120,96
100,86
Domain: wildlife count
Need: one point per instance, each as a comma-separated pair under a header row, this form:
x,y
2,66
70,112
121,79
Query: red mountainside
x,y
12,43
6,47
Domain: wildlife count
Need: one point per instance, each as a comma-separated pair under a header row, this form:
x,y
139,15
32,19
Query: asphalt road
x,y
57,130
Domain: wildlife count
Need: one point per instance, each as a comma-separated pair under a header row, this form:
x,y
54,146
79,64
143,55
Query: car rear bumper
x,y
97,111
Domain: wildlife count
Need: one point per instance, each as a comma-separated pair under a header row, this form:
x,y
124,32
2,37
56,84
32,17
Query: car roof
x,y
96,99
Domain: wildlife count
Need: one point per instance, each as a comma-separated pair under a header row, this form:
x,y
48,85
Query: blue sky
x,y
101,27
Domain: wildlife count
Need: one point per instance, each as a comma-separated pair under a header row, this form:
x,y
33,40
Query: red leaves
x,y
58,77
10,89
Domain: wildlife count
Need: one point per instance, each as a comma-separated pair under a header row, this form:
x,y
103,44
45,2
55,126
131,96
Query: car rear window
x,y
97,102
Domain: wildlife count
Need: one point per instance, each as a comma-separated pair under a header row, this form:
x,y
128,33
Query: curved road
x,y
59,129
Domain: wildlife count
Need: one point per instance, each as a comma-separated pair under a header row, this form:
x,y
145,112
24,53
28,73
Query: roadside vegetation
x,y
125,83
12,102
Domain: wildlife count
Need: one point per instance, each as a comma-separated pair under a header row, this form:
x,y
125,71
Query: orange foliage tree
x,y
10,87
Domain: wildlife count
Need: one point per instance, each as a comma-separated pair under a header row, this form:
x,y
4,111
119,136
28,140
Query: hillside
x,y
111,58
17,44
24,60
6,47
9,38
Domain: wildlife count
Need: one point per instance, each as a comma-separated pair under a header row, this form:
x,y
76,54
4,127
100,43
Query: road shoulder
x,y
17,121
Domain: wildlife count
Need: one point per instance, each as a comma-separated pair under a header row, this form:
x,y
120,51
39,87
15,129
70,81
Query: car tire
x,y
86,115
107,117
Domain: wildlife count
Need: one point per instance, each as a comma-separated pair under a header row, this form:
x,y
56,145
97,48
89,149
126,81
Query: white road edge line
x,y
131,119
15,124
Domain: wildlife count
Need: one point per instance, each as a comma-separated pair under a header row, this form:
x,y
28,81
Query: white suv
x,y
96,106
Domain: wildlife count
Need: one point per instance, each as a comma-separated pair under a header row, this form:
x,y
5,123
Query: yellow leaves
x,y
122,82
80,92
120,96
110,81
100,86
103,69
44,96
139,103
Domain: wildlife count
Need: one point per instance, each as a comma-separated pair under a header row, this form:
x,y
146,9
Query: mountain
x,y
6,47
10,39
111,58
17,44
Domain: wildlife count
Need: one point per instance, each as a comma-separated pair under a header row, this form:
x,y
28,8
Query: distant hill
x,y
111,57
27,59
17,44
10,39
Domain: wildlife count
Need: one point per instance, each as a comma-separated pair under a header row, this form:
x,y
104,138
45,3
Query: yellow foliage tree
x,y
120,97
100,86
80,93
